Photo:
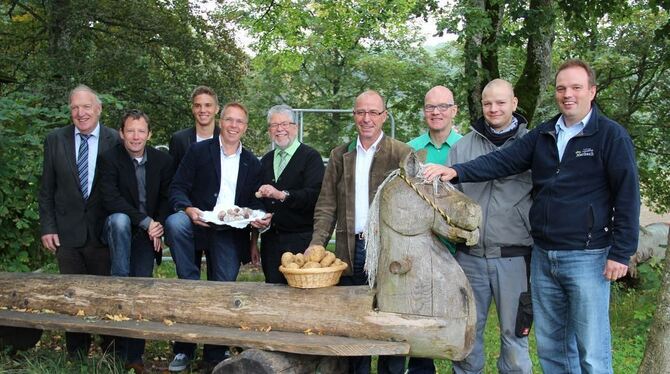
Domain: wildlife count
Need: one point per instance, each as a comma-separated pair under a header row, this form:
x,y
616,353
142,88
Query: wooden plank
x,y
271,341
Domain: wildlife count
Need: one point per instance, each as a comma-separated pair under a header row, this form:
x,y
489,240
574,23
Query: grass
x,y
631,311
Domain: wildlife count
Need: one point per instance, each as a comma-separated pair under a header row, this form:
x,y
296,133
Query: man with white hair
x,y
291,176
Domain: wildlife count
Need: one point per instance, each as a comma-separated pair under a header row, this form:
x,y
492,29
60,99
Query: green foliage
x,y
147,54
24,121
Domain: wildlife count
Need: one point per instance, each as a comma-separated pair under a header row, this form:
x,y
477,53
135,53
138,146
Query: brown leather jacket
x,y
336,199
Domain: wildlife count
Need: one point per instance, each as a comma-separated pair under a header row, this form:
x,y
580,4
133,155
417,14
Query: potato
x,y
337,262
311,265
299,259
327,260
292,265
287,258
316,253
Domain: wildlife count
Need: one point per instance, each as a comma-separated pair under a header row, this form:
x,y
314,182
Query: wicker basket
x,y
313,278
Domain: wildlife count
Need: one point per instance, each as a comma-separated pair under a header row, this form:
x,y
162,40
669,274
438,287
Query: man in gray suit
x,y
70,202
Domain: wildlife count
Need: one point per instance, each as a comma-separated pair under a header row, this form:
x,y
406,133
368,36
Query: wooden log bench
x,y
279,326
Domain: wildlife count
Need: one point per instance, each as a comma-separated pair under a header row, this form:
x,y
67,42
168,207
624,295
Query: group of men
x,y
577,215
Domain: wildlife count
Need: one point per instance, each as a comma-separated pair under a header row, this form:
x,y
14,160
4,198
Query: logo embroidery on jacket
x,y
584,152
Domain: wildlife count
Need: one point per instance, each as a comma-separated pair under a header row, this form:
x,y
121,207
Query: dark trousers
x,y
273,244
361,364
92,259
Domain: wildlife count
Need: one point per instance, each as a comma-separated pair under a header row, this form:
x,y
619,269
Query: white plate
x,y
213,217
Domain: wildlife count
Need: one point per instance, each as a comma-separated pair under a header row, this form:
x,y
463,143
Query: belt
x,y
360,236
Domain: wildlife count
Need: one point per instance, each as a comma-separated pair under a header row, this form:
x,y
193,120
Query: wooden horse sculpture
x,y
415,272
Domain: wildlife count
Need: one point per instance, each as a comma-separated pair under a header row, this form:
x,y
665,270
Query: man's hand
x,y
155,229
262,223
614,270
158,243
195,215
431,171
51,242
270,192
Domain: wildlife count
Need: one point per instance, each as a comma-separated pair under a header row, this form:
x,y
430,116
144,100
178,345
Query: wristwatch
x,y
286,195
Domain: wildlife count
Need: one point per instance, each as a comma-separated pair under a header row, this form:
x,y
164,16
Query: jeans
x,y
571,310
132,254
502,280
223,259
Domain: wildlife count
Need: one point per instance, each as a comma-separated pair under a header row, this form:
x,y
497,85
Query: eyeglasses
x,y
236,121
440,107
284,125
371,113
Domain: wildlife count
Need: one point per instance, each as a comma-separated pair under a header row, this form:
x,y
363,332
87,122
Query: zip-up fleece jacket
x,y
589,199
505,202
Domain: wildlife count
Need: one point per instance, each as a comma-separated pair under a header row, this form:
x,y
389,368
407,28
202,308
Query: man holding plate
x,y
220,173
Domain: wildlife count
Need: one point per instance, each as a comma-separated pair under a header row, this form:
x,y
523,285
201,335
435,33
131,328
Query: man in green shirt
x,y
439,110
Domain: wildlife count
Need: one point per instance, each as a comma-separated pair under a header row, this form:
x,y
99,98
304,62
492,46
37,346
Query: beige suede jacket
x,y
335,206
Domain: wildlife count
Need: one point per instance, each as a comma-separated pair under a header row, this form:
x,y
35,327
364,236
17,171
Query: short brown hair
x,y
235,104
200,90
135,114
577,63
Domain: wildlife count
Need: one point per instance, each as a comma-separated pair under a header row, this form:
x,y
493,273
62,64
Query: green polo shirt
x,y
290,150
437,155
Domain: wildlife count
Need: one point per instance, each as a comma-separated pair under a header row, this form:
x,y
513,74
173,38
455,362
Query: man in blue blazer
x,y
218,171
70,200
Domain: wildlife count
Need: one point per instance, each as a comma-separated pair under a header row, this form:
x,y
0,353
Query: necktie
x,y
82,164
283,160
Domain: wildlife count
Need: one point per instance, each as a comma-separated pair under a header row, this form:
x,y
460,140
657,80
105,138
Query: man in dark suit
x,y
70,201
221,172
204,106
134,179
291,176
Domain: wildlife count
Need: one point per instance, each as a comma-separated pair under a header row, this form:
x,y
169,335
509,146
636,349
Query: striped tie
x,y
82,164
283,160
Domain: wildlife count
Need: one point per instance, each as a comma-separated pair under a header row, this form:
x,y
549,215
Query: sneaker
x,y
179,363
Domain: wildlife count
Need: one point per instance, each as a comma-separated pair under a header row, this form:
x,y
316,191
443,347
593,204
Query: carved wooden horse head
x,y
415,273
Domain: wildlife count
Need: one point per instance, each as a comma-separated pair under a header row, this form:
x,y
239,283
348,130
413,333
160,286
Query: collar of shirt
x,y
141,160
574,129
514,124
373,147
425,139
238,151
95,133
290,150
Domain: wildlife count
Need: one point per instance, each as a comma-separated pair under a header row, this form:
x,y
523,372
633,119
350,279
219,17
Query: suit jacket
x,y
197,182
181,140
302,178
336,204
119,184
62,207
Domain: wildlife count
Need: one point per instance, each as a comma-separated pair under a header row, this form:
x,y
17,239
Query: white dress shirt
x,y
362,181
92,152
230,167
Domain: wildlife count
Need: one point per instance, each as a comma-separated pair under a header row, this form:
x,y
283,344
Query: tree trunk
x,y
656,358
540,24
331,311
472,53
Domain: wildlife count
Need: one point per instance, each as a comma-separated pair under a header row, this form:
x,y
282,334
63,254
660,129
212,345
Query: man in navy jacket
x,y
135,179
584,219
217,171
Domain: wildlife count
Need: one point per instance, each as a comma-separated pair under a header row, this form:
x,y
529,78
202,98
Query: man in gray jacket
x,y
497,267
